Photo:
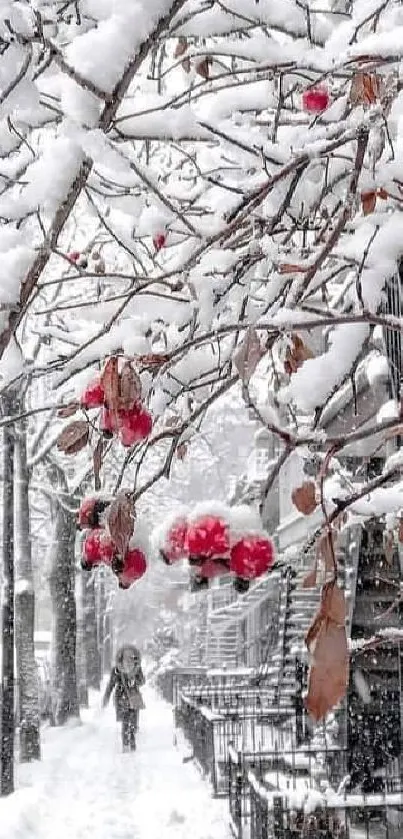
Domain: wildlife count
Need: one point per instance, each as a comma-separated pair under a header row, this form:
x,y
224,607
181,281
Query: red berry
x,y
208,537
251,557
159,241
134,425
175,544
74,256
94,395
211,568
315,100
98,547
135,565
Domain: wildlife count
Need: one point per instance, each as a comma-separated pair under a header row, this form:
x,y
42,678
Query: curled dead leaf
x,y
68,410
297,353
366,89
181,47
110,383
329,670
326,550
186,64
291,268
120,520
326,640
129,387
74,437
100,267
310,578
368,202
97,463
333,604
203,67
153,359
248,354
304,498
181,451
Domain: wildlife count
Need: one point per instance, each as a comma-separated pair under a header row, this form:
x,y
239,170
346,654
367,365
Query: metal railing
x,y
271,797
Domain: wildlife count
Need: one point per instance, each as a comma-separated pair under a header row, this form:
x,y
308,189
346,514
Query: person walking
x,y
126,679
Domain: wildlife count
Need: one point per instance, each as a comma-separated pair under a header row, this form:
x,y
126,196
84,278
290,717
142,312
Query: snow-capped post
x,y
7,723
28,700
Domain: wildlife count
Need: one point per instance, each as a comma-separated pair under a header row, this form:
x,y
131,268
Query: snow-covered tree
x,y
239,168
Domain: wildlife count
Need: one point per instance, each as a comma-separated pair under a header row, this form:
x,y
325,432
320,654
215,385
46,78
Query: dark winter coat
x,y
127,691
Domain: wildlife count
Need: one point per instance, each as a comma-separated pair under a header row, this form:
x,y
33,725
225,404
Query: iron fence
x,y
276,797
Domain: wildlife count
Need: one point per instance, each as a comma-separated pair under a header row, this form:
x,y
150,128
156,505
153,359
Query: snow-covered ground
x,y
85,788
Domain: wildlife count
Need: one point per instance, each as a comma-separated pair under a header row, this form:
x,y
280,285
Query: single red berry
x,y
159,241
251,557
175,544
315,100
74,256
134,425
92,549
211,568
94,395
135,566
107,548
208,537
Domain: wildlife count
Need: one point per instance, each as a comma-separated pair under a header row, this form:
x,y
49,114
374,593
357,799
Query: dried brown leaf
x,y
366,89
181,47
68,410
100,267
325,550
129,387
291,268
304,498
153,359
310,578
297,353
248,354
368,202
203,67
97,462
333,604
110,383
329,670
186,64
74,437
120,520
181,451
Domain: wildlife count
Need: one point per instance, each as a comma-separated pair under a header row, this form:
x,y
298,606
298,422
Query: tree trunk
x,y
27,674
7,664
92,655
62,589
81,662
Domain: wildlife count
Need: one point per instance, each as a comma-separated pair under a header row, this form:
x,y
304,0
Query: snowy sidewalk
x,y
85,788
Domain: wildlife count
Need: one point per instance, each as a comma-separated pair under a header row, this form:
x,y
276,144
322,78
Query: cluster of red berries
x,y
131,426
213,548
100,549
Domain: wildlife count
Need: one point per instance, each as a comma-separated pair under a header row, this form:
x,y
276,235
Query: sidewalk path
x,y
85,788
